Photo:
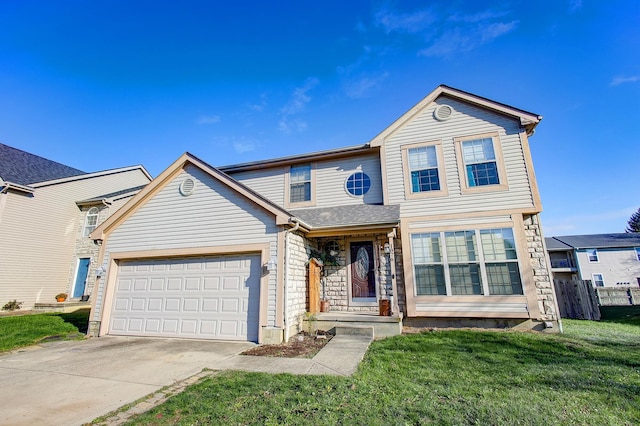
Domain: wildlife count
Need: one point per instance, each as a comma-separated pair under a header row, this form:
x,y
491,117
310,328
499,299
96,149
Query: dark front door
x,y
363,283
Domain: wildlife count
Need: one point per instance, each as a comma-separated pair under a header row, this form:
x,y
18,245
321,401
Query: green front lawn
x,y
588,376
25,330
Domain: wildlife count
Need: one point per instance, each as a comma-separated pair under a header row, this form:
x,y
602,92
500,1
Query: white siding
x,y
616,266
38,235
266,182
467,120
331,176
214,215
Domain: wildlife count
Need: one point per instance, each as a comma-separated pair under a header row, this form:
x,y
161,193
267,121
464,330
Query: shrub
x,y
12,305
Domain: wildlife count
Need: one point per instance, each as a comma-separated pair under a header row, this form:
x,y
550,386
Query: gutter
x,y
16,187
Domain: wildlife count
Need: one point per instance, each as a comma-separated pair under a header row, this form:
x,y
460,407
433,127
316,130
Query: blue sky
x,y
99,85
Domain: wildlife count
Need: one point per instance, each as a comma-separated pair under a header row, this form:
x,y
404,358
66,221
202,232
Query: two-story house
x,y
608,260
438,214
47,211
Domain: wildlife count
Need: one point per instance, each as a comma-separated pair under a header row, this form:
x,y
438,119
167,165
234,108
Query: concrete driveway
x,y
73,382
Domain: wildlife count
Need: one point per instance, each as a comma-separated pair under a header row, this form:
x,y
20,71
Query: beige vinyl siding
x,y
38,235
267,182
330,178
467,120
616,266
214,215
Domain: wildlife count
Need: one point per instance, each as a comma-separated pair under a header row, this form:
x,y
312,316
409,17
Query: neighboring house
x,y
438,213
608,260
47,211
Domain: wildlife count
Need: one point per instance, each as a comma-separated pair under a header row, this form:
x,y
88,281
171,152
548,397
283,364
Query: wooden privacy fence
x,y
577,299
618,296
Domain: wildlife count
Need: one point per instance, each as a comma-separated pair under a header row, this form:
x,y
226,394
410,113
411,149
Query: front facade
x,y
438,215
607,260
47,211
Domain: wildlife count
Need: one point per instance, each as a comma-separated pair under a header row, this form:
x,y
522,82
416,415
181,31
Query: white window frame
x,y
480,259
88,227
312,184
595,281
442,178
637,251
595,254
465,188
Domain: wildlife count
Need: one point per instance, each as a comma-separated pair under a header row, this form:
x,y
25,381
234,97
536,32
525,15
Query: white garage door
x,y
203,298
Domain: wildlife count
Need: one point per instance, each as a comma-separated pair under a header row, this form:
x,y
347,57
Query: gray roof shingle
x,y
23,168
345,216
600,240
111,195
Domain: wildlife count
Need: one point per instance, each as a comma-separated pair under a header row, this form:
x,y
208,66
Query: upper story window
x,y
91,221
592,254
637,249
480,163
424,173
300,184
358,184
423,166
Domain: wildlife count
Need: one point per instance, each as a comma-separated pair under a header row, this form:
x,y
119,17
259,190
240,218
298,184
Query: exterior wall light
x,y
271,265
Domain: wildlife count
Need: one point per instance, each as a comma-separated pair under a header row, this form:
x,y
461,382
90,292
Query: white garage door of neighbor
x,y
214,297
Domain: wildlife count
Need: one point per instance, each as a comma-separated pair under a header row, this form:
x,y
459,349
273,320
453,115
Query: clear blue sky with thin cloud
x,y
100,85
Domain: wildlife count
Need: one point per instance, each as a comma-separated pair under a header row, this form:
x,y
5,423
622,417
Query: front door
x,y
81,277
363,282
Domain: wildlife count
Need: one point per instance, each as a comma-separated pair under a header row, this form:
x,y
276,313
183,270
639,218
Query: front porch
x,y
360,323
65,307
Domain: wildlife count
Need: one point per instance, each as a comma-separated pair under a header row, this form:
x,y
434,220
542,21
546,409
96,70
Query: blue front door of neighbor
x,y
81,277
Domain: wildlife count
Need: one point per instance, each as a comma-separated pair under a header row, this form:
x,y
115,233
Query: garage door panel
x,y
207,297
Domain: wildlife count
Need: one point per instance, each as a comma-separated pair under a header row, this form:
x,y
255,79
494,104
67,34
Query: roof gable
x,y
24,168
527,119
281,216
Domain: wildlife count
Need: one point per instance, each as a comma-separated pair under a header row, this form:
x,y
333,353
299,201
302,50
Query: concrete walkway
x,y
340,357
74,382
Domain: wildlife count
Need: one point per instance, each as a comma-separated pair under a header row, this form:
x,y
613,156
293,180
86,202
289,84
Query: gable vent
x,y
443,112
187,186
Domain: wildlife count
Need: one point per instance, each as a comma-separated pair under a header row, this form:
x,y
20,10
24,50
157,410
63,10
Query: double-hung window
x,y
464,265
592,255
428,264
637,249
300,184
480,163
598,280
501,261
469,262
423,167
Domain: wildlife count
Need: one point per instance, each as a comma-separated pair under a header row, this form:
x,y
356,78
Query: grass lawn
x,y
25,330
588,376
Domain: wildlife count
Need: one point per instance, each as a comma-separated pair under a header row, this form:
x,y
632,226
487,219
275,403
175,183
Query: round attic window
x,y
443,112
358,184
187,186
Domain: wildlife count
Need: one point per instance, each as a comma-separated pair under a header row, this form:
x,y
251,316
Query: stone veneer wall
x,y
297,280
85,247
540,265
335,280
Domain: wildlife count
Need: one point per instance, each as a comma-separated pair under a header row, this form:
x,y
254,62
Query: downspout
x,y
287,254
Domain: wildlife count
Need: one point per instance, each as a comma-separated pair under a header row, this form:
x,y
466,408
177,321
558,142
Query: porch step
x,y
61,306
365,331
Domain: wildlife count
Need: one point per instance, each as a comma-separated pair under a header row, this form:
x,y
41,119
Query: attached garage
x,y
209,297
